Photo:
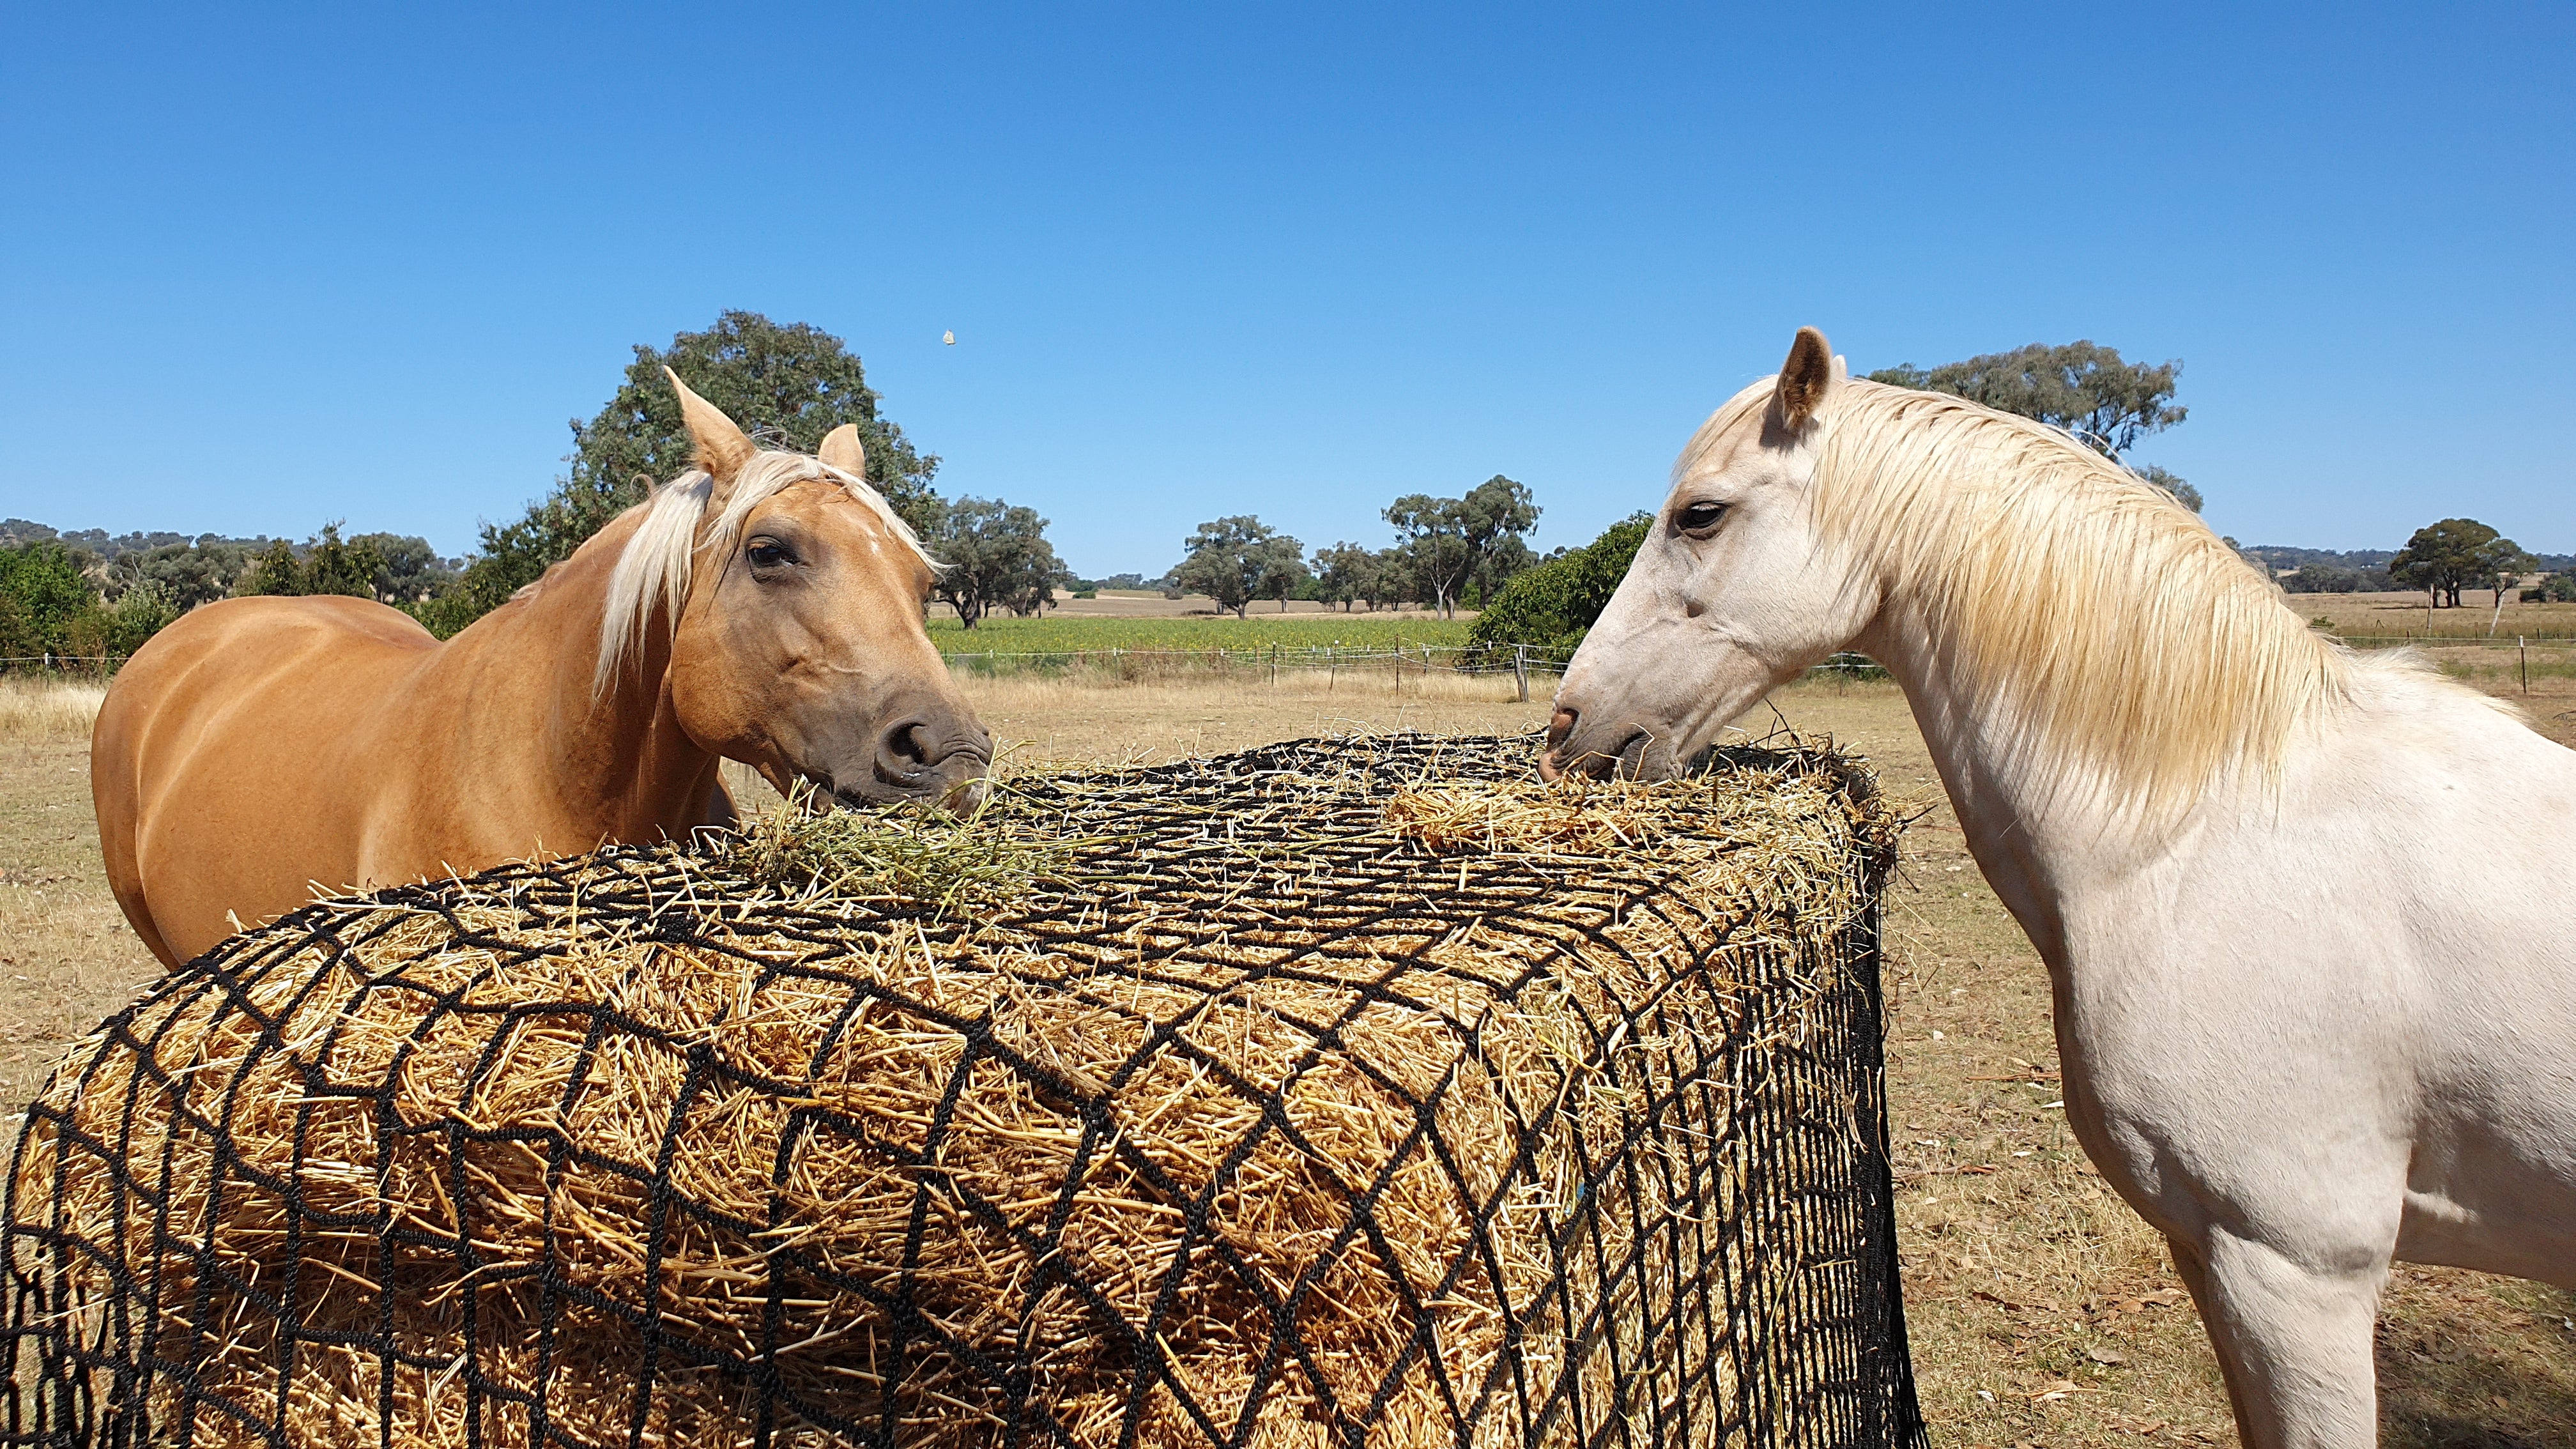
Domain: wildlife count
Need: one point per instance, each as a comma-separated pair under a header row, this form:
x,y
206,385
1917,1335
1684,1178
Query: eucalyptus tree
x,y
993,555
1346,572
327,564
1449,544
787,384
1238,559
2083,388
2458,553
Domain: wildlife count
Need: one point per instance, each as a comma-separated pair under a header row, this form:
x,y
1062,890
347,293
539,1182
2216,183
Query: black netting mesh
x,y
1254,1123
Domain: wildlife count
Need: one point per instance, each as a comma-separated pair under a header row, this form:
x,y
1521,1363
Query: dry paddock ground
x,y
2043,1312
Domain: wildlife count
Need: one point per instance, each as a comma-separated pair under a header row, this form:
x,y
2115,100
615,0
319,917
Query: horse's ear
x,y
843,450
722,448
1810,373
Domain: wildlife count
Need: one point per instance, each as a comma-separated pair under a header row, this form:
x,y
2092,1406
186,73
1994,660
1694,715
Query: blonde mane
x,y
653,572
2103,621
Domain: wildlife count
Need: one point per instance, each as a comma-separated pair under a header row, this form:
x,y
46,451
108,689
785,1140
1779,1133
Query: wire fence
x,y
1280,662
2525,656
2506,640
1448,659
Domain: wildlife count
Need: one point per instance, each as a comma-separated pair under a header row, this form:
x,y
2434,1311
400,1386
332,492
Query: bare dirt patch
x,y
66,956
1051,721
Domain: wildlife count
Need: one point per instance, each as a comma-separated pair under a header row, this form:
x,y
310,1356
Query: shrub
x,y
327,565
139,613
42,592
1550,606
2321,578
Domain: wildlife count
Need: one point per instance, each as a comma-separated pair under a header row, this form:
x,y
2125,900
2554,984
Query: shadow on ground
x,y
2465,1362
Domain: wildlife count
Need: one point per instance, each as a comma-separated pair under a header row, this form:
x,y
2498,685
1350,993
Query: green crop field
x,y
1291,631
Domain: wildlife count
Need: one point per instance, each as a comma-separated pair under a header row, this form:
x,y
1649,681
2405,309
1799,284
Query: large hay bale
x,y
1356,1093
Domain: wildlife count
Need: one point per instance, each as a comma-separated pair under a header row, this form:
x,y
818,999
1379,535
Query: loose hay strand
x,y
1337,1094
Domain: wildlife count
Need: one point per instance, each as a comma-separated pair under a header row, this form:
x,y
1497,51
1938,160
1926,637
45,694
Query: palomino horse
x,y
763,607
2310,1018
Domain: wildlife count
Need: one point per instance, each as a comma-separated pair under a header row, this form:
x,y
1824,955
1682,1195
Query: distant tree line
x,y
1472,550
2327,578
1449,553
2324,570
1133,583
788,385
88,594
2441,558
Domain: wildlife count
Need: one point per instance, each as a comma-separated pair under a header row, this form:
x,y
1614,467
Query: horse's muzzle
x,y
931,758
1591,753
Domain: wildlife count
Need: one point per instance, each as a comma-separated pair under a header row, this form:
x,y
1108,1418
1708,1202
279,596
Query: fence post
x,y
1520,670
1274,651
2523,647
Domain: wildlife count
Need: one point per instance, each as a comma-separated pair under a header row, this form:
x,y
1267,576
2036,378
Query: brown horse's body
x,y
259,749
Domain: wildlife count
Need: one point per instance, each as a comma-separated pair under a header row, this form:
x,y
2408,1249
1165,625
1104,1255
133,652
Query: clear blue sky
x,y
269,268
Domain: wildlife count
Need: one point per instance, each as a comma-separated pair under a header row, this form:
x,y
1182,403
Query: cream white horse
x,y
2310,1017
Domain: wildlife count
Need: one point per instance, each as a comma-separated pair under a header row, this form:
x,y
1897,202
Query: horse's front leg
x,y
2293,1341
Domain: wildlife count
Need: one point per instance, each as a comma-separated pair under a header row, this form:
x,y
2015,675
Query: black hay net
x,y
1342,1093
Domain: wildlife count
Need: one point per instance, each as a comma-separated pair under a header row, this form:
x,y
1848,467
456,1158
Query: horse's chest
x,y
2199,1075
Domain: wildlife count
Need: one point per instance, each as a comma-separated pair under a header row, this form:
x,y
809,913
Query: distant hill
x,y
187,571
2369,560
111,547
2282,556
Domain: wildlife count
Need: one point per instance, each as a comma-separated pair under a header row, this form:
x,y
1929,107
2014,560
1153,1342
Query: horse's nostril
x,y
1560,726
914,746
906,746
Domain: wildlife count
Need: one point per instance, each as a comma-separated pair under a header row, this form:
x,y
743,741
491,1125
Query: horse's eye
x,y
1700,519
766,555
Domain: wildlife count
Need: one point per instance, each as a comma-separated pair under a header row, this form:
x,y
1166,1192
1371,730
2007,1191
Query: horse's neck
x,y
2029,830
616,766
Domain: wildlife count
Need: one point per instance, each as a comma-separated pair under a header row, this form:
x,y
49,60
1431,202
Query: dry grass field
x,y
2380,616
2043,1313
